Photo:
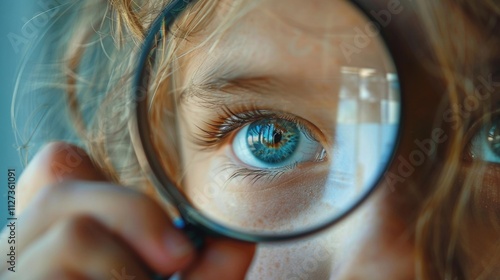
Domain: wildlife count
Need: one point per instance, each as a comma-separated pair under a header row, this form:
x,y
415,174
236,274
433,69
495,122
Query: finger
x,y
136,218
55,162
222,257
80,247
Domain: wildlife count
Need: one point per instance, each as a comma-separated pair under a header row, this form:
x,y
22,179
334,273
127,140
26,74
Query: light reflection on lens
x,y
287,141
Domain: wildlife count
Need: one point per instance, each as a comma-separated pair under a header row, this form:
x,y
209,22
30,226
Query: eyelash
x,y
230,120
256,175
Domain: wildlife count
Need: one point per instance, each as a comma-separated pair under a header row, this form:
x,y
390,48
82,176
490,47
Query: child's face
x,y
284,73
284,58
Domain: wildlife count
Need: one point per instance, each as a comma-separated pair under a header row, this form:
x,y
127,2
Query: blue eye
x,y
486,144
275,143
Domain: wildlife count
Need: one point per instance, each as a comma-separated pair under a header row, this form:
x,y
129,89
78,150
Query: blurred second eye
x,y
485,145
275,143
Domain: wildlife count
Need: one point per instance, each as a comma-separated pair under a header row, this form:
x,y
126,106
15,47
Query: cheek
x,y
487,198
318,256
370,238
282,204
301,260
479,231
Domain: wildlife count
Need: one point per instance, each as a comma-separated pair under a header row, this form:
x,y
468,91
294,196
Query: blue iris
x,y
494,137
273,140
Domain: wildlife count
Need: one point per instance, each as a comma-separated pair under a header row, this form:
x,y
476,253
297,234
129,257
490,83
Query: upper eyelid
x,y
248,114
476,127
315,132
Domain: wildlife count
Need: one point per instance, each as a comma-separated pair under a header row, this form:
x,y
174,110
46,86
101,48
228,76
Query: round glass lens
x,y
274,121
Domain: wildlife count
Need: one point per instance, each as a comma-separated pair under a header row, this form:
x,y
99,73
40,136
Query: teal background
x,y
13,16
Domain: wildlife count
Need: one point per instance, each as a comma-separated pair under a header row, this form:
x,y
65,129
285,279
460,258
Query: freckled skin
x,y
254,205
375,241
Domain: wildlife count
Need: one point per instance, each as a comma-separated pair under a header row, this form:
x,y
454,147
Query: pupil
x,y
277,137
273,140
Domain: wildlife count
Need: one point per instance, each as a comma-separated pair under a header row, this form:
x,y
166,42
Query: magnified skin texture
x,y
290,63
286,61
280,61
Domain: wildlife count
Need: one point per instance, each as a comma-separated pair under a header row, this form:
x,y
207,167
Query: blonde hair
x,y
465,47
98,37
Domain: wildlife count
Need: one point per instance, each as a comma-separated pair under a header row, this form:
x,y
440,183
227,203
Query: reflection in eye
x,y
275,143
263,144
485,145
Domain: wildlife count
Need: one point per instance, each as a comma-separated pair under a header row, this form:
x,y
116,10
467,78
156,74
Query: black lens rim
x,y
166,187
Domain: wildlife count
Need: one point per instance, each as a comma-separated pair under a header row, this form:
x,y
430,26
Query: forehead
x,y
286,38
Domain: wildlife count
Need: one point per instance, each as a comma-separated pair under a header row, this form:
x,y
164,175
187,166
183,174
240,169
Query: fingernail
x,y
178,245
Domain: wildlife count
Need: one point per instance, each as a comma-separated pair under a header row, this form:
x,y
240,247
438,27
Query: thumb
x,y
54,163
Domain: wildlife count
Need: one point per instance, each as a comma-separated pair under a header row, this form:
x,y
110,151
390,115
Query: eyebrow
x,y
216,90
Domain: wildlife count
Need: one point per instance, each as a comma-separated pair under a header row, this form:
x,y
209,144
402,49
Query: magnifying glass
x,y
232,159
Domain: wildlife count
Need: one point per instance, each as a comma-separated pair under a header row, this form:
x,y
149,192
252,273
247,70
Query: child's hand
x,y
74,225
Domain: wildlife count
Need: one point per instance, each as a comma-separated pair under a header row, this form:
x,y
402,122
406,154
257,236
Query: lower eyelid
x,y
275,176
